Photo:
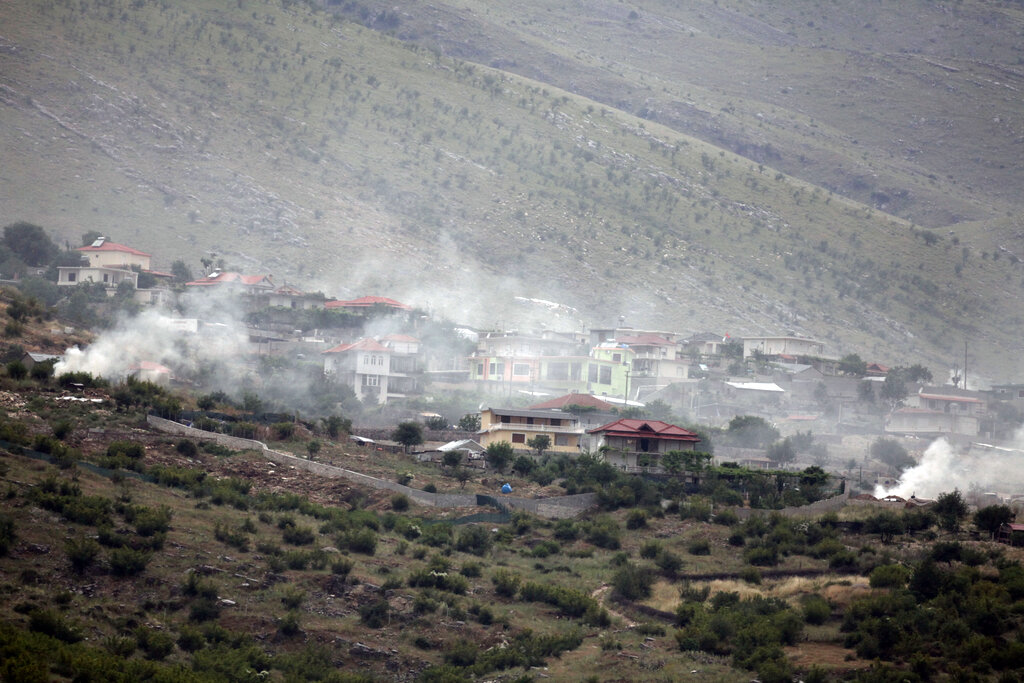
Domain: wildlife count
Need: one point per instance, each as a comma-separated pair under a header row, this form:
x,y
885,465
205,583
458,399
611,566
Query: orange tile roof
x,y
361,345
113,246
367,302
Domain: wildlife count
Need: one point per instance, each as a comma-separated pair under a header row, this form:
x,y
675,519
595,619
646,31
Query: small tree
x,y
313,447
891,453
499,455
451,459
408,434
470,422
992,517
539,443
951,508
30,243
851,364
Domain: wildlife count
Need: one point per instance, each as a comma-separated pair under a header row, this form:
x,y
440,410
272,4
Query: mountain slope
x,y
289,141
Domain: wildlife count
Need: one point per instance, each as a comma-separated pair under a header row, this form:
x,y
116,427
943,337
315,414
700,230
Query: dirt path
x,y
599,594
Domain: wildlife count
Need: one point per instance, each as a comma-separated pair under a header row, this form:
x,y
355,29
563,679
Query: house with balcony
x,y
405,365
938,411
657,362
635,444
367,303
364,365
518,427
111,264
787,347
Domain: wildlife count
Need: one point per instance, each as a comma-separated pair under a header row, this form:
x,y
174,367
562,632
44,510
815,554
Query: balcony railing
x,y
522,427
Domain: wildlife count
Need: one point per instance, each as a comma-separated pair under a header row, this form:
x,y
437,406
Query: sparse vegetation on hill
x,y
288,140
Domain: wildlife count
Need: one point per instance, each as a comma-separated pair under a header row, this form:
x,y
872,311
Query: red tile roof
x,y
648,429
367,302
361,345
585,400
112,246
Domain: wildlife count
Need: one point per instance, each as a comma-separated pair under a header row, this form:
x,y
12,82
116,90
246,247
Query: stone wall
x,y
560,507
820,507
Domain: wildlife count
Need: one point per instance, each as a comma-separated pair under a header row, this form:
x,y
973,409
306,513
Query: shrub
x,y
375,614
82,553
155,644
636,519
362,540
633,582
604,532
889,576
292,597
299,535
474,539
506,582
750,575
290,624
471,570
726,517
127,562
342,566
7,534
187,448
283,430
816,609
399,502
699,546
668,562
54,625
650,549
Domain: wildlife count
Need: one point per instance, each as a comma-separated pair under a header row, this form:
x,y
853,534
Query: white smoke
x,y
212,336
980,468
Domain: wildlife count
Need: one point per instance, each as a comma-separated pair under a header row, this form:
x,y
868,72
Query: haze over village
x,y
346,341
380,361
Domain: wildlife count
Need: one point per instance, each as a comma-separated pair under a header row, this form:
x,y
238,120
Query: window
x,y
518,438
575,371
106,277
529,420
556,422
479,369
493,368
506,419
521,369
592,373
606,375
371,380
558,371
616,357
72,276
561,439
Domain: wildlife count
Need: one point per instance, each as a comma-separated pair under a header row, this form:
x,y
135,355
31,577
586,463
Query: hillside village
x,y
559,384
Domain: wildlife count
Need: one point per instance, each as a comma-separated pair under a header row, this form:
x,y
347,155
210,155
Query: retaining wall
x,y
820,507
560,507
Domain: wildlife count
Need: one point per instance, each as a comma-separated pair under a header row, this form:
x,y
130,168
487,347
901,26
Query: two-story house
x,y
364,365
634,443
782,346
405,364
112,264
935,411
657,362
518,427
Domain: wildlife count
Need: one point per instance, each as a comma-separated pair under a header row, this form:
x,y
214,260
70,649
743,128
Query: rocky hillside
x,y
630,164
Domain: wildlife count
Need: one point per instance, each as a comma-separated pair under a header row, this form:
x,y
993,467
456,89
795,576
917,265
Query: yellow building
x,y
520,426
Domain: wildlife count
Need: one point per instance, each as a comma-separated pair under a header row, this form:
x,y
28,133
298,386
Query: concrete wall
x,y
814,509
560,507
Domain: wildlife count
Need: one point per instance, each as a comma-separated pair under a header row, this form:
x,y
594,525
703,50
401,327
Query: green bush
x,y
889,576
506,582
299,535
7,534
54,625
633,582
375,614
156,645
699,546
82,553
726,517
474,539
816,609
636,519
127,562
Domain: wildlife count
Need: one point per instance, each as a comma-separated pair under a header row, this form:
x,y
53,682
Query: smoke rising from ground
x,y
980,468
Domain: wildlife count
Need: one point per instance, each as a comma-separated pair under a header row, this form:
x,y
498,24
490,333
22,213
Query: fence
x,y
560,507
